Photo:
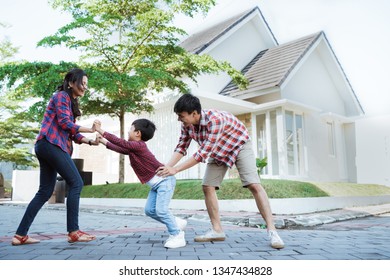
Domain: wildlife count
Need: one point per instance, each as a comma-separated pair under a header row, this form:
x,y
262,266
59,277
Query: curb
x,y
246,219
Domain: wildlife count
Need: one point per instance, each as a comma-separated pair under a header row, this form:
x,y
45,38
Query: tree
x,y
15,132
7,49
131,48
33,83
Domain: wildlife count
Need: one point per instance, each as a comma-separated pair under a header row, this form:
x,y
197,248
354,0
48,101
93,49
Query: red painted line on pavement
x,y
114,232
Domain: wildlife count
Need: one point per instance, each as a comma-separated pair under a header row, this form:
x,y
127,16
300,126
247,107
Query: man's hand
x,y
165,171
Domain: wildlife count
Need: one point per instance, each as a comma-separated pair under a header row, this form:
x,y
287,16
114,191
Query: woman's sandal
x,y
80,236
23,240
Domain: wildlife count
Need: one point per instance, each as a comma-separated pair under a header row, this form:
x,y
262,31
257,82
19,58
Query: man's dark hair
x,y
146,127
187,103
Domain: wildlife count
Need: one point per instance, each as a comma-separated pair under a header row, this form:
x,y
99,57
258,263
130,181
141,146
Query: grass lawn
x,y
350,189
191,189
231,189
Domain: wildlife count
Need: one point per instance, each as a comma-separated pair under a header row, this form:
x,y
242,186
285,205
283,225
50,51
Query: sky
x,y
358,31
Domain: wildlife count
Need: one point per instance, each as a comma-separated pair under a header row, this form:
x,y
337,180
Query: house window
x,y
289,139
274,142
280,138
261,139
267,141
294,143
331,139
300,146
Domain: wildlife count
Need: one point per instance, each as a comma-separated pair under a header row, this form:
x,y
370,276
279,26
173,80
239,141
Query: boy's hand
x,y
96,142
101,139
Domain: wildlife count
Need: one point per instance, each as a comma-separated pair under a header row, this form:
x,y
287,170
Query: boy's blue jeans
x,y
157,204
53,160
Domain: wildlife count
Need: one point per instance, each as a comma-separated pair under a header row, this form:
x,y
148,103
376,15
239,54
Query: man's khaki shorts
x,y
245,164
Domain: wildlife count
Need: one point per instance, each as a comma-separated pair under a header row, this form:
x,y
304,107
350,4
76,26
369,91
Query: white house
x,y
299,106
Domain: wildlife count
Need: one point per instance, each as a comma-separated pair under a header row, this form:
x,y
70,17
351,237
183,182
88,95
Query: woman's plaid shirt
x,y
58,125
220,136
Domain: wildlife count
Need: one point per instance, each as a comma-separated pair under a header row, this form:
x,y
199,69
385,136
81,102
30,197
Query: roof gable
x,y
200,41
272,66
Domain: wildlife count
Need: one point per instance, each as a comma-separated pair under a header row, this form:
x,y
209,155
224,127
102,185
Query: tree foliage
x,y
130,49
7,49
134,49
16,135
34,82
15,132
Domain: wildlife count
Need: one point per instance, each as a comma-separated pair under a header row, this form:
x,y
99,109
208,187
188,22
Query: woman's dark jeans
x,y
53,160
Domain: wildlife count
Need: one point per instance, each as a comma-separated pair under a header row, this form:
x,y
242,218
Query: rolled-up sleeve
x,y
184,142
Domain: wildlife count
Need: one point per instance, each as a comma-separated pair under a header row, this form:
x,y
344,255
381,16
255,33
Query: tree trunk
x,y
121,156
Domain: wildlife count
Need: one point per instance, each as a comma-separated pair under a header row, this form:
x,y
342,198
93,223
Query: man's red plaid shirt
x,y
220,136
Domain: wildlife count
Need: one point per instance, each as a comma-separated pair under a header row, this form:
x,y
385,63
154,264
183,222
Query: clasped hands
x,y
95,128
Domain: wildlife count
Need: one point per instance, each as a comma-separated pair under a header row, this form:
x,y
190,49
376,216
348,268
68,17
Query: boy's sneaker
x,y
210,235
181,223
175,241
275,240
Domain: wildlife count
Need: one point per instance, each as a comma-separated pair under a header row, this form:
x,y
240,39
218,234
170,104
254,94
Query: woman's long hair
x,y
74,76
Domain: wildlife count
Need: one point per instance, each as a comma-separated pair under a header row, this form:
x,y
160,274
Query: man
x,y
224,141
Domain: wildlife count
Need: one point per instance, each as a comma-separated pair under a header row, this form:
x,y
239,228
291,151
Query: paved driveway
x,y
141,238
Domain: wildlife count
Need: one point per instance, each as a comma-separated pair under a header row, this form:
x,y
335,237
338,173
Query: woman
x,y
54,149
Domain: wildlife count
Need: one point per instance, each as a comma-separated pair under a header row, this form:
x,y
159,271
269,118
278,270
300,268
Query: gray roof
x,y
272,66
201,40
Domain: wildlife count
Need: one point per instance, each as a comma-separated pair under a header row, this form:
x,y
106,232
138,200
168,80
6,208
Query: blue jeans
x,y
52,160
157,204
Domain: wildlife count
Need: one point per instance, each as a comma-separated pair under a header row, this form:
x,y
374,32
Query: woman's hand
x,y
95,142
93,128
98,126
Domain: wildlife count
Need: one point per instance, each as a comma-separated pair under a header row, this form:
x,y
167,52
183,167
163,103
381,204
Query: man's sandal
x,y
23,240
80,236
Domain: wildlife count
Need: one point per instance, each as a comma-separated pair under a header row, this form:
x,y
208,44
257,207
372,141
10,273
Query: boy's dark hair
x,y
146,127
187,103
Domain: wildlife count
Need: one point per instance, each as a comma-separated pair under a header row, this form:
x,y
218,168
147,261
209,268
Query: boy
x,y
145,164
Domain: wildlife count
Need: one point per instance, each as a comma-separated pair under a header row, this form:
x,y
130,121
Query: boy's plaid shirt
x,y
220,136
143,162
58,125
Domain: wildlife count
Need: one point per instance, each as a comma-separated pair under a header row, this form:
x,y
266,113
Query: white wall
x,y
25,184
322,165
350,149
313,86
373,150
